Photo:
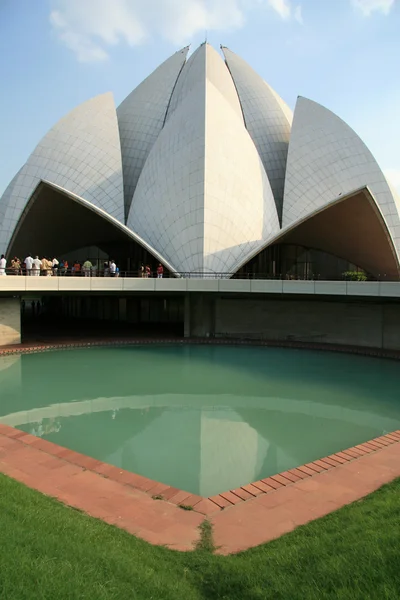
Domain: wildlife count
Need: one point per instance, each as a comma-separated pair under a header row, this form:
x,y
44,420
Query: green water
x,y
203,419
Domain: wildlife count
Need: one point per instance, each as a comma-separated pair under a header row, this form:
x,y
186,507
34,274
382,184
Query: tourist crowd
x,y
54,267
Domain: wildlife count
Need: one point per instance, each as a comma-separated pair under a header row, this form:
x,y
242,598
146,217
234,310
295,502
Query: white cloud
x,y
393,177
369,6
89,27
282,7
298,15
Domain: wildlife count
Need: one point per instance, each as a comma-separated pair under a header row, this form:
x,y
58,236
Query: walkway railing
x,y
62,272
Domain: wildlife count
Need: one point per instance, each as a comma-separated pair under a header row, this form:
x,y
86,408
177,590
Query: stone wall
x,y
391,326
10,321
202,315
360,323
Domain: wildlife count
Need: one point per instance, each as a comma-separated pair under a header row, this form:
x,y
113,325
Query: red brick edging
x,y
203,505
34,347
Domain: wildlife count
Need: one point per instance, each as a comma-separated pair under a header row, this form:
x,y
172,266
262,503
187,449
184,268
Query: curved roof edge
x,y
206,218
141,117
81,152
326,158
339,199
205,64
285,107
99,211
267,118
4,202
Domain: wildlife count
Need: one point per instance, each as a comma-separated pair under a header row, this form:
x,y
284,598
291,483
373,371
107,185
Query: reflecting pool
x,y
201,418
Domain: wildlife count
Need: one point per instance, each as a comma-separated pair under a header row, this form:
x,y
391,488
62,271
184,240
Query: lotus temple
x,y
204,168
249,388
267,224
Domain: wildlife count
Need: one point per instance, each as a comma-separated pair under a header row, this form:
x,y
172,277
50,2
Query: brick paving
x,y
271,515
244,517
103,497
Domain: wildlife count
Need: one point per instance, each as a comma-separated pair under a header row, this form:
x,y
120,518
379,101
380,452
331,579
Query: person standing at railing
x,y
43,269
76,269
36,264
86,268
16,266
3,264
160,271
55,264
28,264
113,268
47,266
147,271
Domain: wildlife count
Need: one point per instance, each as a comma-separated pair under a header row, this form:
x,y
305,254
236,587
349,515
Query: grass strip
x,y
206,541
51,552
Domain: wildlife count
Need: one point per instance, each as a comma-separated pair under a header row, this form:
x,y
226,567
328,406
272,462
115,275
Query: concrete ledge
x,y
363,288
202,285
170,285
389,289
331,288
298,287
271,286
71,284
13,284
138,285
105,283
234,285
35,284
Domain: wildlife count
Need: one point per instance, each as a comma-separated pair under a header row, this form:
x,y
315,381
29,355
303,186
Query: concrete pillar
x,y
202,315
391,326
186,318
10,321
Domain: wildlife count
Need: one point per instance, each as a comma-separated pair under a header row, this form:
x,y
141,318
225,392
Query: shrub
x,y
354,276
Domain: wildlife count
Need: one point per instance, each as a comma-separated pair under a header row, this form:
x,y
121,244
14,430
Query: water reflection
x,y
201,419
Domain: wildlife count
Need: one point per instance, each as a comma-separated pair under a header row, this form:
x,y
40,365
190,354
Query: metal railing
x,y
62,272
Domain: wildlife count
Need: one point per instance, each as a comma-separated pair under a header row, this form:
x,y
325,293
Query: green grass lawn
x,y
53,552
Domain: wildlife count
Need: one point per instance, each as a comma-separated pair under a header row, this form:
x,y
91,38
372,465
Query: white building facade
x,y
205,167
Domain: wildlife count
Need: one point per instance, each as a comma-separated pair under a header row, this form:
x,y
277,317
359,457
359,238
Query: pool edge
x,y
35,347
266,493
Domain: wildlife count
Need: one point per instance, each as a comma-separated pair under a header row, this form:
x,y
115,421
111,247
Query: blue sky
x,y
56,54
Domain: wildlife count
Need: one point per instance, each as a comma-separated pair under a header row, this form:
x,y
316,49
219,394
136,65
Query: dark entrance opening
x,y
74,318
55,224
350,234
290,261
